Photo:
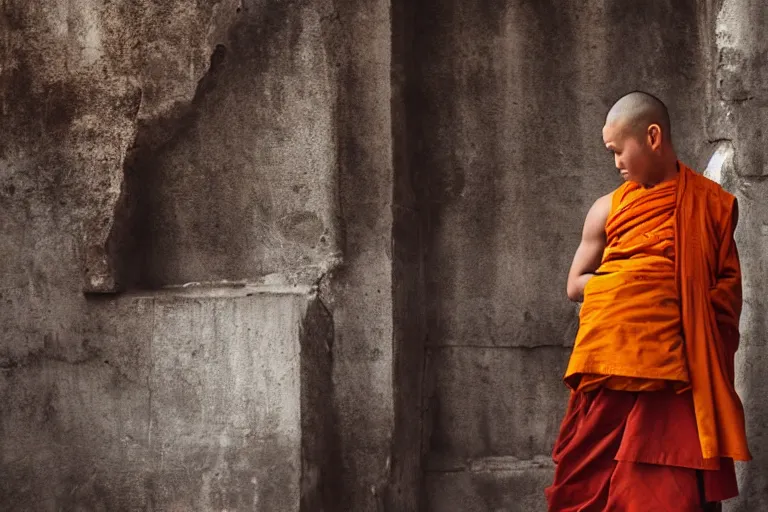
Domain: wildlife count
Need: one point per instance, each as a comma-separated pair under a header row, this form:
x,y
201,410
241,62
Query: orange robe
x,y
709,280
630,333
663,308
652,367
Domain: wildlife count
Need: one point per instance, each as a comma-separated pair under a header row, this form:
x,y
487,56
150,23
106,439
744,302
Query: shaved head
x,y
637,111
637,132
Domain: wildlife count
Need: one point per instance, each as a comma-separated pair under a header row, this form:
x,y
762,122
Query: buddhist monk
x,y
654,422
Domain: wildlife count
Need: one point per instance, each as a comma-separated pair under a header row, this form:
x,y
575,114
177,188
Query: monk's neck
x,y
669,172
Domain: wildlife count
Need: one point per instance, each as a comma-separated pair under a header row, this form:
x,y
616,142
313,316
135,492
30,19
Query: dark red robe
x,y
634,452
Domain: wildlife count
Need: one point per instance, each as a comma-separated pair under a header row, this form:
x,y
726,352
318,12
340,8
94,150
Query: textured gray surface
x,y
158,143
245,184
408,291
360,294
78,80
491,402
501,484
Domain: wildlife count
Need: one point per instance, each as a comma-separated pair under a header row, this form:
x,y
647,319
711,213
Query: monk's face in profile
x,y
635,153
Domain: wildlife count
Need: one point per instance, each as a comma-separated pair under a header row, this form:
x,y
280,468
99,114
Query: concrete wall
x,y
77,81
244,184
408,297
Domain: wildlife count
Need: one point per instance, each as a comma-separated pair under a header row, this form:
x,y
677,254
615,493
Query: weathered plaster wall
x,y
408,296
245,184
77,79
739,121
513,98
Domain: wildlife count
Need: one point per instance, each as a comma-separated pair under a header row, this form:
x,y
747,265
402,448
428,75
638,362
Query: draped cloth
x,y
709,280
630,334
663,308
653,406
633,452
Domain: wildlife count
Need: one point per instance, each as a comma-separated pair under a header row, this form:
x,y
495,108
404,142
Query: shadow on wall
x,y
240,183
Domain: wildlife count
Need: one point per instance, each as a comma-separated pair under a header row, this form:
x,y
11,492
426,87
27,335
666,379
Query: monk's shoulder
x,y
613,199
598,214
603,204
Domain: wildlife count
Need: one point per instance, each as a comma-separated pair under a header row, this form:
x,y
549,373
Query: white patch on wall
x,y
718,164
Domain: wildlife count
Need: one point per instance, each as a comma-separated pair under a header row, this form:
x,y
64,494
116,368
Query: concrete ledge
x,y
443,464
498,484
175,403
233,289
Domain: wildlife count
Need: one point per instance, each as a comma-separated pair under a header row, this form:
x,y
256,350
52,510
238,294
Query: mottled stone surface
x,y
77,80
501,484
490,402
360,293
739,117
404,491
88,90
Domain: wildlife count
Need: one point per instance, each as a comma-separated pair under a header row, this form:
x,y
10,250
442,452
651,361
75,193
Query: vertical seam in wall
x,y
423,408
149,374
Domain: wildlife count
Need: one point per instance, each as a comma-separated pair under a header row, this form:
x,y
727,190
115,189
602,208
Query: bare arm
x,y
590,252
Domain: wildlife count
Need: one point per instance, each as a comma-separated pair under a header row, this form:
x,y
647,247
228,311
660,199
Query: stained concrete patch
x,y
739,115
360,293
751,358
492,402
79,79
750,137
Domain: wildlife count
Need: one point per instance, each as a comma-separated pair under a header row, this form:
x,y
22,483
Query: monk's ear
x,y
654,136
